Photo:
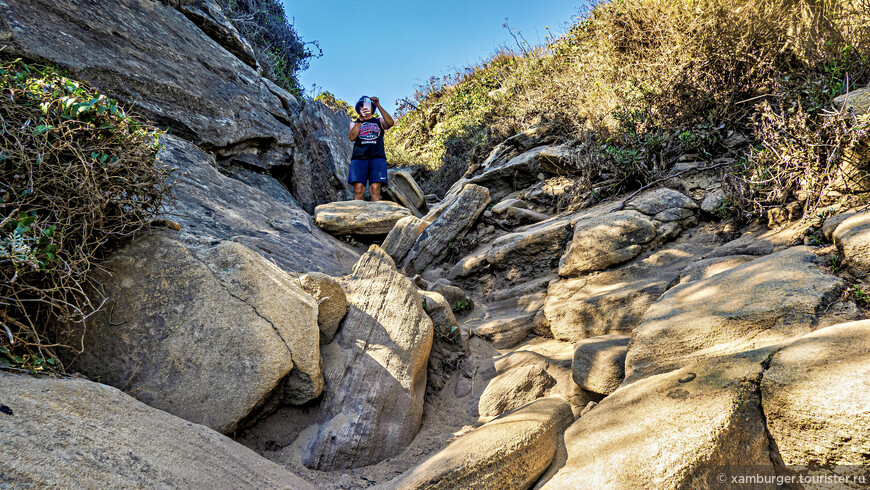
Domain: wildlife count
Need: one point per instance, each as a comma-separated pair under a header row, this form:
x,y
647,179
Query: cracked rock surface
x,y
203,331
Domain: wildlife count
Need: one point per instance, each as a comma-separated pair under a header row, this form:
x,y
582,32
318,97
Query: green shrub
x,y
329,100
76,175
280,51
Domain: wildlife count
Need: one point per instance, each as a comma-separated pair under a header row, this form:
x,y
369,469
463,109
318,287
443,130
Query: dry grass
x,y
76,175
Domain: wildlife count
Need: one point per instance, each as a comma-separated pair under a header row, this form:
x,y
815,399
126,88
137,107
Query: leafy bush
x,y
279,49
637,83
329,100
76,175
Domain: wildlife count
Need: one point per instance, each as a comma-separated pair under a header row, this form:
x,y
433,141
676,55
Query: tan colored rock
x,y
675,430
599,363
513,389
73,433
505,204
607,240
375,370
663,204
206,332
359,217
706,268
760,303
815,396
506,323
406,190
832,222
454,295
509,452
857,100
331,301
434,244
852,238
403,236
614,301
443,320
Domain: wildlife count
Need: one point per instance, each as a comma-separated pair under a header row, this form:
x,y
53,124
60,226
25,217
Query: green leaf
x,y
42,128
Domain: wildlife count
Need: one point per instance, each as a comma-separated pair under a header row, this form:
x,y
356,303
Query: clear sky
x,y
386,48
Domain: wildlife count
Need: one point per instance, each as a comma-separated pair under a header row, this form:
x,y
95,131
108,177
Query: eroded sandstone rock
x,y
359,217
513,389
599,363
73,433
852,238
606,240
375,370
331,301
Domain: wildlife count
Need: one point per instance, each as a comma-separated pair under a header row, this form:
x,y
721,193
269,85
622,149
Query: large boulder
x,y
599,363
73,433
815,397
509,452
404,190
513,389
852,238
615,300
208,204
359,217
434,243
760,303
150,56
208,16
606,240
507,322
375,370
205,332
677,430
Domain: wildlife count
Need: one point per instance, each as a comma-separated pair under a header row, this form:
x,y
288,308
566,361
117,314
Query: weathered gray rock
x,y
857,100
676,430
713,201
73,433
443,320
504,177
404,190
815,397
206,333
513,146
513,389
522,216
451,293
208,204
599,363
208,16
852,238
832,222
757,241
331,301
607,240
502,207
434,243
150,56
703,269
359,217
760,303
403,236
375,370
663,203
614,301
509,452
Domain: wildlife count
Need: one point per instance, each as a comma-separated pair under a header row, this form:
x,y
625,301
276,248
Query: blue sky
x,y
401,44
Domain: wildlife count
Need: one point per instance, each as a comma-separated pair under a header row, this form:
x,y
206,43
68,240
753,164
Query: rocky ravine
x,y
644,345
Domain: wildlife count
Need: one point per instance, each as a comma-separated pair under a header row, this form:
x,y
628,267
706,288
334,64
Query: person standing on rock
x,y
368,163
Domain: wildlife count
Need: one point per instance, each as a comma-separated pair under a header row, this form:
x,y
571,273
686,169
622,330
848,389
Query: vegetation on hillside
x,y
280,51
637,83
76,175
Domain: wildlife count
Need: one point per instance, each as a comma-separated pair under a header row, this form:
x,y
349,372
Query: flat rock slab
x,y
509,452
675,430
816,395
707,268
375,370
763,302
599,363
513,389
852,238
205,332
73,433
359,217
614,301
434,243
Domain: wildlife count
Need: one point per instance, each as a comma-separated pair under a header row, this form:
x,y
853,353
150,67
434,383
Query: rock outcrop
x,y
509,452
403,236
359,217
205,332
375,370
149,55
434,243
75,433
513,389
599,363
606,240
760,303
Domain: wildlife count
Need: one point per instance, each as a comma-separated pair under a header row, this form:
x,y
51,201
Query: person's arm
x,y
388,119
354,130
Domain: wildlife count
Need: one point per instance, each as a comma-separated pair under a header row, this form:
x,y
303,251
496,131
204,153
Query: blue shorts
x,y
368,171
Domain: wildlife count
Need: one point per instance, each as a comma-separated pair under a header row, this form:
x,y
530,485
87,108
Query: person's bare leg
x,y
359,191
375,191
